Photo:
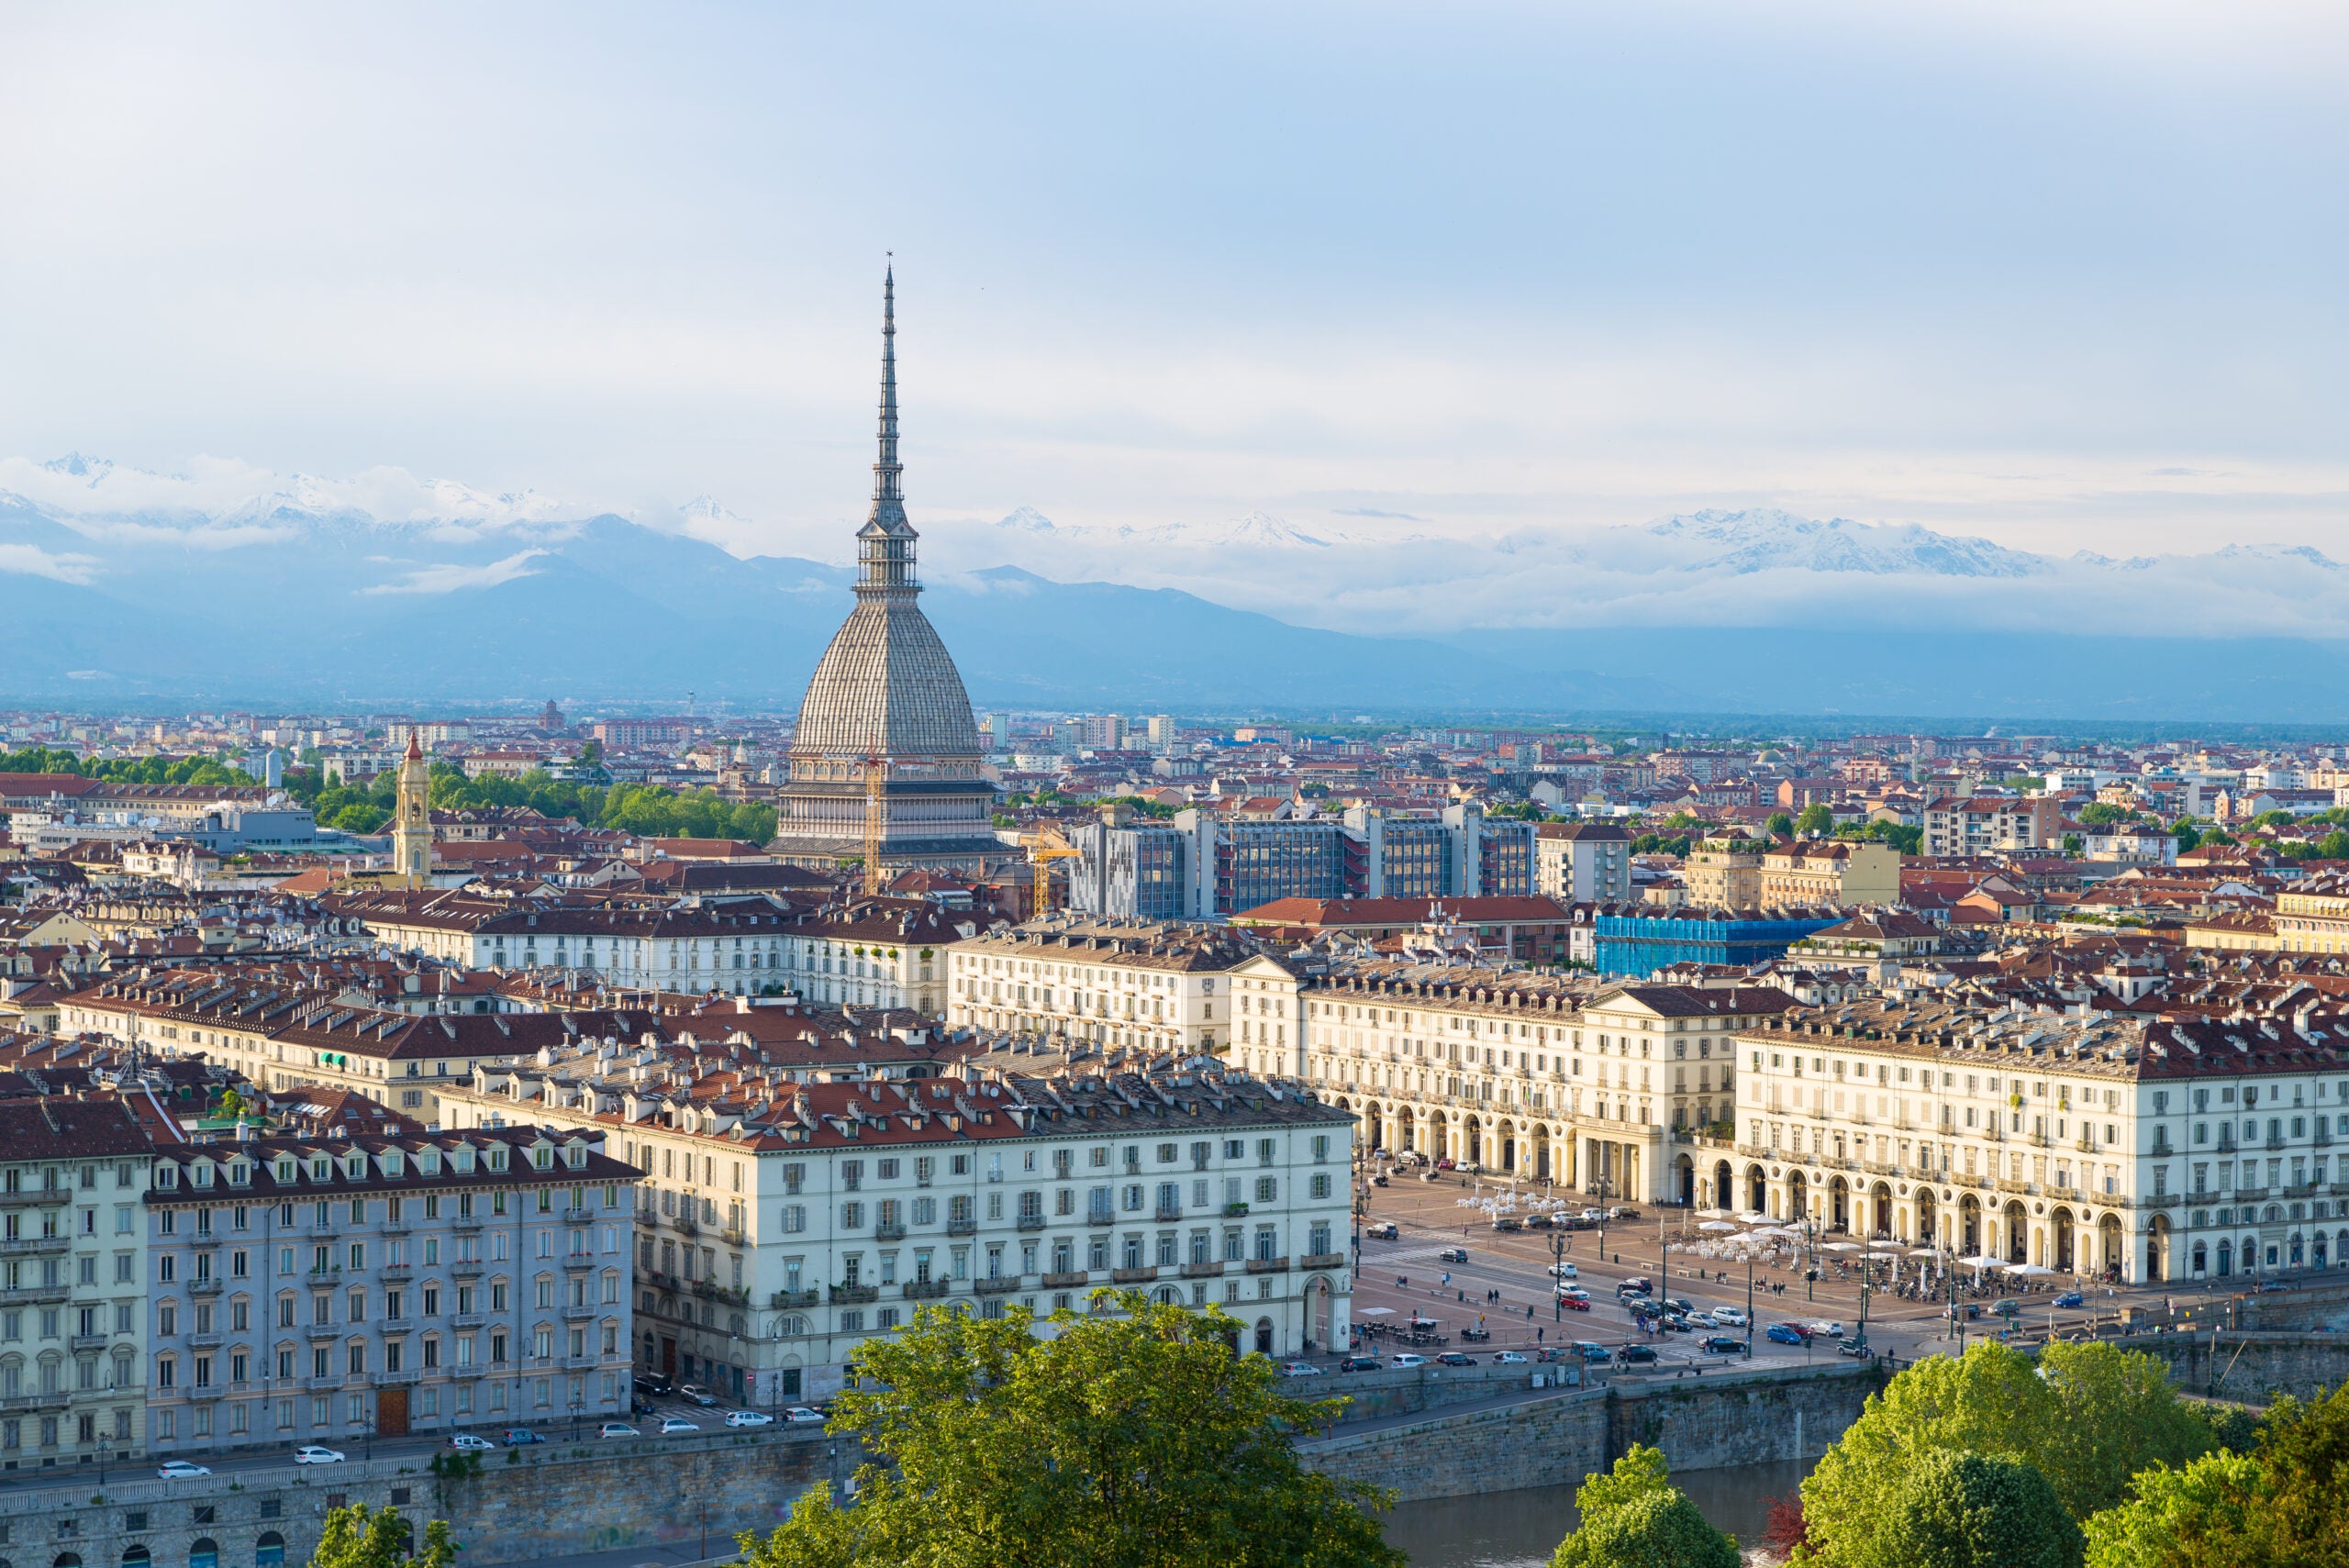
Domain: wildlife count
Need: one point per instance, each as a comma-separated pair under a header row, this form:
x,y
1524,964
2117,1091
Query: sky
x,y
2061,277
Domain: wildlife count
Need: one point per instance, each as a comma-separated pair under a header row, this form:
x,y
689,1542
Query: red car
x,y
1575,1303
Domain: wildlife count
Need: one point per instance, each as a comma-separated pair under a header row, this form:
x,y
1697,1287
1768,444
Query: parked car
x,y
801,1416
1565,1271
617,1430
1734,1317
1539,1222
465,1442
2070,1298
1638,1285
1702,1321
653,1385
1857,1349
2270,1288
1383,1231
1299,1369
1453,1255
1454,1358
675,1424
1508,1358
1359,1363
1621,1213
181,1469
1592,1351
1406,1359
1671,1323
313,1453
2006,1309
1785,1334
1590,1217
1721,1345
1574,1303
1637,1353
749,1418
1508,1222
1443,1164
1827,1326
521,1437
695,1395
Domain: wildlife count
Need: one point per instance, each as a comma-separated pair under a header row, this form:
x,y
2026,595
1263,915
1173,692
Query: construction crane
x,y
876,782
1048,847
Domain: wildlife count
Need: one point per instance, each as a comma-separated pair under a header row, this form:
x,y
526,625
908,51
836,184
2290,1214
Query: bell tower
x,y
412,820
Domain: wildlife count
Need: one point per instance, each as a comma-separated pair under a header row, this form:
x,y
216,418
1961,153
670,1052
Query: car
x,y
1703,1321
1469,1168
2270,1288
695,1395
1443,1164
801,1416
1574,1303
1453,1255
1721,1345
749,1418
1679,1303
1454,1358
1827,1326
1857,1349
1429,1176
1565,1271
2008,1308
617,1430
521,1437
465,1442
1359,1363
1583,1291
1508,1222
1590,1217
1593,1353
1384,1231
675,1424
1636,1353
2071,1298
181,1469
312,1454
1539,1222
1785,1334
1406,1359
1619,1212
1379,1180
1638,1285
1730,1317
653,1385
1299,1369
1508,1358
1671,1325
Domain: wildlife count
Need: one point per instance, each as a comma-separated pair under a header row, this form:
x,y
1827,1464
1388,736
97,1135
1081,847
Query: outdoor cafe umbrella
x,y
1716,1225
1985,1261
1843,1247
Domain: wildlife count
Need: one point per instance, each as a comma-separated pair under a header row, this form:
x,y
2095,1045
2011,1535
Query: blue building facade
x,y
1639,945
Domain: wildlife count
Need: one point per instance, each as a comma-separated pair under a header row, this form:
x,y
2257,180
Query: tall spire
x,y
884,545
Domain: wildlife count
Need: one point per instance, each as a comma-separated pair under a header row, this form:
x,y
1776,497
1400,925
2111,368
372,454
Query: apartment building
x,y
1541,1077
1840,873
1143,985
874,953
1581,862
781,1224
2141,1149
702,943
72,1282
322,1289
1961,825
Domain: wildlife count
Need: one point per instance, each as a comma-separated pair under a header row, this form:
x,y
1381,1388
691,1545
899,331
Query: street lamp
x,y
1557,1261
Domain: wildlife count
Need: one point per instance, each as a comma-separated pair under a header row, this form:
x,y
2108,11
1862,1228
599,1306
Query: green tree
x,y
359,1537
1132,1436
1968,1510
2200,1517
2073,845
2188,837
2088,1417
1815,820
2100,811
1779,825
1634,1518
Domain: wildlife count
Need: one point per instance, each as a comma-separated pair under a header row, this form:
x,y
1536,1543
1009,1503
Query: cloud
x,y
451,579
31,561
1374,512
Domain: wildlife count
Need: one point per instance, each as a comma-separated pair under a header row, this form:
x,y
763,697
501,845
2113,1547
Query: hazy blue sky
x,y
2064,275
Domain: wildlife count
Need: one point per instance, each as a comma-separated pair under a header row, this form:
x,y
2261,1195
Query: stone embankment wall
x,y
559,1500
1543,1440
2250,1368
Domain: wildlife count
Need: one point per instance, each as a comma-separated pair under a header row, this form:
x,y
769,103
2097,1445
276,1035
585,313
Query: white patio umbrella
x,y
1985,1261
1716,1225
2030,1270
1924,1251
1843,1247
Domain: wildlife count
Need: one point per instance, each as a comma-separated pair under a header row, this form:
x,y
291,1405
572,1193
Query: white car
x,y
1827,1326
675,1424
801,1416
619,1429
1565,1271
749,1418
465,1442
1508,1358
1299,1369
1405,1358
311,1454
1729,1317
181,1469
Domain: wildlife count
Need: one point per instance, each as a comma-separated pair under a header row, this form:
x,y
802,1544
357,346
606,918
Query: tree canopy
x,y
2088,1417
1967,1510
2283,1503
647,810
207,771
1634,1517
1132,1437
359,1537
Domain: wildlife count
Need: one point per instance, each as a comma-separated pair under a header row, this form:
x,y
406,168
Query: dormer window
x,y
394,1164
497,1157
285,1172
429,1161
321,1168
199,1175
541,1158
465,1160
240,1174
167,1177
576,1156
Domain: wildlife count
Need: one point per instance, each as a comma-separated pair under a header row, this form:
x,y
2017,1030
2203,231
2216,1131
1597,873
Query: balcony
x,y
961,1227
1202,1271
205,1392
579,1314
468,1320
467,1268
579,1217
87,1342
19,1245
1067,1280
1026,1223
686,1227
394,1228
578,1262
783,1300
322,1384
1322,1261
1166,1215
406,1374
846,1293
211,1286
32,1293
1100,1217
53,1195
324,1330
468,1370
1133,1276
1268,1265
323,1229
582,1364
894,1229
396,1274
1002,1287
924,1290
207,1341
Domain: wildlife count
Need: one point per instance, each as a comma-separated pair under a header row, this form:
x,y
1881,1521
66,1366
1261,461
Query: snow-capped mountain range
x,y
116,574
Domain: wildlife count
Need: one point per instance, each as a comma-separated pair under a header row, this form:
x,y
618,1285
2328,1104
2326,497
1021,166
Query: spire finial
x,y
888,472
886,543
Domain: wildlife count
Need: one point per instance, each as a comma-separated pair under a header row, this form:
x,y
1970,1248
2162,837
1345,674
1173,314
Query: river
x,y
1520,1529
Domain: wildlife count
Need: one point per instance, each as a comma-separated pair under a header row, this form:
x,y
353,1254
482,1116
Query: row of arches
x,y
1575,1153
269,1551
